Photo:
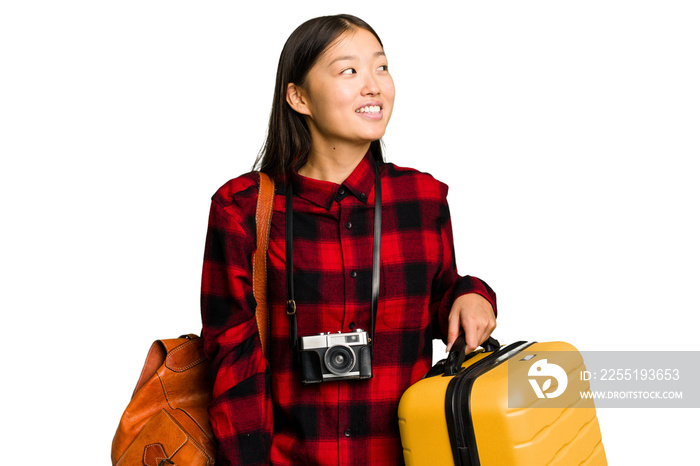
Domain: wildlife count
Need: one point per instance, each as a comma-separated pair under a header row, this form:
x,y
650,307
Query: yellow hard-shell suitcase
x,y
459,414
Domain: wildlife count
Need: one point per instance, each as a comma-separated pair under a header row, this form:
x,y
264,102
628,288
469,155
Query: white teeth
x,y
369,109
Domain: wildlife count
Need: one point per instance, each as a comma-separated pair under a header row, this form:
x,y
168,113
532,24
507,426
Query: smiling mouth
x,y
369,109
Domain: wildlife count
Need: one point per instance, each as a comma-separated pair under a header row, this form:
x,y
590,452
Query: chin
x,y
373,135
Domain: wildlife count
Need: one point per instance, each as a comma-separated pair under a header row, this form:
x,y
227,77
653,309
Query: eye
x,y
348,71
383,68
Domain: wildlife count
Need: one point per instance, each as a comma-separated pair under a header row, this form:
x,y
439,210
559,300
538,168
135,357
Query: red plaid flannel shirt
x,y
261,412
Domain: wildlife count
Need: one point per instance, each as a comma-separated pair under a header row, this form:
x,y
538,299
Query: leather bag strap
x,y
263,218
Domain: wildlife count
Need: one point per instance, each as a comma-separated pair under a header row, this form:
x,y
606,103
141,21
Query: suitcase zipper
x,y
458,404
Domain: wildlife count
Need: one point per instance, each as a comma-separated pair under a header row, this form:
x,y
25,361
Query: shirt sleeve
x,y
448,284
241,407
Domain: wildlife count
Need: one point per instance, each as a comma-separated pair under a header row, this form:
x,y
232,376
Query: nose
x,y
370,86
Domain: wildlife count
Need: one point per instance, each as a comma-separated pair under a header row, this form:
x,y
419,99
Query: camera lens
x,y
339,359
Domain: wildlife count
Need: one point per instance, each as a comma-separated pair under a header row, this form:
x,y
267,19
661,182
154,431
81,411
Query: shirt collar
x,y
323,193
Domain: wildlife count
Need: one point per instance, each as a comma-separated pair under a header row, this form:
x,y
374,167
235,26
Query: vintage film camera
x,y
335,356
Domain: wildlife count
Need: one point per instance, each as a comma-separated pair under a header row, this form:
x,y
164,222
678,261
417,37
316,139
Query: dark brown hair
x,y
288,139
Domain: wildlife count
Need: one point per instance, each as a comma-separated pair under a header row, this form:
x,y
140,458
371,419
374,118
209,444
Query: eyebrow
x,y
354,57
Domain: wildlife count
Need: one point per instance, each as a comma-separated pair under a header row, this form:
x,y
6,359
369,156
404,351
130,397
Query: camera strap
x,y
289,266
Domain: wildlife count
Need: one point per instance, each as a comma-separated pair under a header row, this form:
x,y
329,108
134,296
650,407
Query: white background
x,y
567,131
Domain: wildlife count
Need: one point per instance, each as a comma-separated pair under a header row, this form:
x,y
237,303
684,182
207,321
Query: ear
x,y
296,99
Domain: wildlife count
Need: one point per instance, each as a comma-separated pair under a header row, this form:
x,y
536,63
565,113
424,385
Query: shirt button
x,y
348,225
348,432
353,274
351,325
363,195
341,191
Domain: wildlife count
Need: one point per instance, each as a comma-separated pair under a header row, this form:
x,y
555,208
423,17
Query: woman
x,y
333,99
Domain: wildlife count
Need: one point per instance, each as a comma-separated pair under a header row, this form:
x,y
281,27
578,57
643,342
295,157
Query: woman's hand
x,y
473,313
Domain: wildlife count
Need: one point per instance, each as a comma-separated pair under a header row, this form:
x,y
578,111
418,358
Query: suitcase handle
x,y
457,356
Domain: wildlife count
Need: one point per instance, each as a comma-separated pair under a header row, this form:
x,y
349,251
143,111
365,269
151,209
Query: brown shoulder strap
x,y
263,218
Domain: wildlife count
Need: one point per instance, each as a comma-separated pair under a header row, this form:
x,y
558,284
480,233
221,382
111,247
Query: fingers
x,y
477,328
453,328
472,333
473,315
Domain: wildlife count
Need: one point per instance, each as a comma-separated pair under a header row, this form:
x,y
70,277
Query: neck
x,y
333,165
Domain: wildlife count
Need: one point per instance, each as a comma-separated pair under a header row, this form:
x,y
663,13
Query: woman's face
x,y
348,94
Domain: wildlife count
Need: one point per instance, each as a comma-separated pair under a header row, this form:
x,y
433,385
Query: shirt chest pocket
x,y
404,297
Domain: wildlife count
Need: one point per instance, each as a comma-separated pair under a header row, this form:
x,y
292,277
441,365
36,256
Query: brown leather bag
x,y
166,421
